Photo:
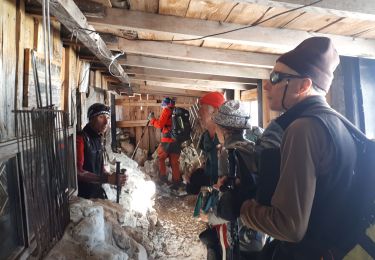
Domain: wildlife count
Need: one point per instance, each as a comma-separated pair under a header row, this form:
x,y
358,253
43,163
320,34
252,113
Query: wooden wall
x,y
19,33
9,32
132,112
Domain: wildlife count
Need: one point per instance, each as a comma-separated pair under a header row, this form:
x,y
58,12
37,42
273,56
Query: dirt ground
x,y
179,231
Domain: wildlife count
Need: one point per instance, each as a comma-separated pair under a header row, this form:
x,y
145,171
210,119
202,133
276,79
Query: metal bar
x,y
43,141
118,186
260,102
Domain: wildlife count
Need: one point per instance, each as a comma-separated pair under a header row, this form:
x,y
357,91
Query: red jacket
x,y
165,123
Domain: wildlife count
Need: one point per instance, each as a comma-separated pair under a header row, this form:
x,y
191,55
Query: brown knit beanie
x,y
315,58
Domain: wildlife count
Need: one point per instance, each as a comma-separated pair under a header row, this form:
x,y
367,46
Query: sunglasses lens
x,y
274,77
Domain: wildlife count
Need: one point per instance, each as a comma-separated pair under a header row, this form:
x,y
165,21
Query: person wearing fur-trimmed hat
x,y
232,119
90,155
317,158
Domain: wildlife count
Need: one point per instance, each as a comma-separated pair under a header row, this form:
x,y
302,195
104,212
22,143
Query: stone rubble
x,y
149,223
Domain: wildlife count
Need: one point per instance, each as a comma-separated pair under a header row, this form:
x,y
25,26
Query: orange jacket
x,y
165,123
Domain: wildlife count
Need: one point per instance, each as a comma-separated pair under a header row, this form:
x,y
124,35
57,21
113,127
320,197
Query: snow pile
x,y
137,196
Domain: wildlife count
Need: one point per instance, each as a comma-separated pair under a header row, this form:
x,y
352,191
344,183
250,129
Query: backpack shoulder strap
x,y
349,125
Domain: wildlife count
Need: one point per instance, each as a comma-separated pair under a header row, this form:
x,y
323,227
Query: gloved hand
x,y
229,205
151,116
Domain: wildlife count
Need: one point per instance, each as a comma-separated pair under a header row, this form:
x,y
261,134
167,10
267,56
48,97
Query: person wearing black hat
x,y
90,154
317,158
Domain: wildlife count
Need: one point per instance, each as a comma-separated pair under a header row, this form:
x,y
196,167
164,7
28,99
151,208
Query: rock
x,y
127,148
125,242
108,252
151,168
153,219
140,156
89,232
76,213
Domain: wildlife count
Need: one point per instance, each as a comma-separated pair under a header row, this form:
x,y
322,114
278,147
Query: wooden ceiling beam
x,y
194,67
90,8
175,85
188,84
194,53
126,103
67,12
106,3
188,75
157,90
359,9
280,40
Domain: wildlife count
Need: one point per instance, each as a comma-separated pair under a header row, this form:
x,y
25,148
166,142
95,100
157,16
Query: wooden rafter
x,y
147,89
280,40
67,12
194,53
186,84
126,103
187,75
359,9
195,67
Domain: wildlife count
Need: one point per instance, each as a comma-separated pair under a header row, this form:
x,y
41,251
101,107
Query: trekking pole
x,y
234,248
118,186
140,139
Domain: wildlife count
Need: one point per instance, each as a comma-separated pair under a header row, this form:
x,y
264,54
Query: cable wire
x,y
206,36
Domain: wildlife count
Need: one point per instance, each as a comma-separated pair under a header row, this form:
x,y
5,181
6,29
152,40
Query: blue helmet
x,y
167,101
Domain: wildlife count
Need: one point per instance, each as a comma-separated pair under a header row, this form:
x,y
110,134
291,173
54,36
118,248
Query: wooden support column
x,y
237,94
260,103
113,123
229,94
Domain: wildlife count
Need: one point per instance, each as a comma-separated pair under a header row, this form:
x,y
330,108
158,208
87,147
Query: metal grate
x,y
43,145
4,198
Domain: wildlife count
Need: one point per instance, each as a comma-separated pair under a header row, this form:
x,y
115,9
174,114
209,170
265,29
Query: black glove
x,y
151,116
229,205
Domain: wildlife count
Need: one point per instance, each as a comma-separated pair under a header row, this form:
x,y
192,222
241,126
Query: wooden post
x,y
113,123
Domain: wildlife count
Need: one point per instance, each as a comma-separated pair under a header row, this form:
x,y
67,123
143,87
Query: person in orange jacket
x,y
168,148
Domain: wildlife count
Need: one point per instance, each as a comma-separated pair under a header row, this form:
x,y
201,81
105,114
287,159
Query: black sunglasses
x,y
276,77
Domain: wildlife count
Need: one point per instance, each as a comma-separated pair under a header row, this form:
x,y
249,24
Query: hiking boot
x,y
178,186
178,189
162,180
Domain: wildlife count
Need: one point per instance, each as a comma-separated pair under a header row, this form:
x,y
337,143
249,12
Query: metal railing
x,y
45,172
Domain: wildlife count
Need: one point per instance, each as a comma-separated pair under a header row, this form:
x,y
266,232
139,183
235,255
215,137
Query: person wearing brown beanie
x,y
317,158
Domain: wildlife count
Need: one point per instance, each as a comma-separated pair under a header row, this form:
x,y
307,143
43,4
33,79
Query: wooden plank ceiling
x,y
154,36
